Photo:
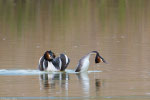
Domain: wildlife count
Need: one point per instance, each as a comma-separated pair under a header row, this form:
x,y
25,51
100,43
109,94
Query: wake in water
x,y
35,72
19,72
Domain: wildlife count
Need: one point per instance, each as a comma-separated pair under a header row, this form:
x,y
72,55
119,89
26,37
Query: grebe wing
x,y
65,61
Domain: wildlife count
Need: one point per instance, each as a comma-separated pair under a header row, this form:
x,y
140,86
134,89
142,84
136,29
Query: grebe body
x,y
48,62
84,62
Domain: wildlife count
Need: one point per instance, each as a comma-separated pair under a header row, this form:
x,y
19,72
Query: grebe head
x,y
49,55
98,58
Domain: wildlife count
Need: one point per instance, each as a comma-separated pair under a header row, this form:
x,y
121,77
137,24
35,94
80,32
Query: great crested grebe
x,y
84,62
48,62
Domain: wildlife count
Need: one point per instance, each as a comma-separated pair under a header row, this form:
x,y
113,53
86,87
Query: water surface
x,y
118,29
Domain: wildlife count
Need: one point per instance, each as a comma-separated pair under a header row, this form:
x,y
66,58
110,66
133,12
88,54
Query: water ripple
x,y
87,97
34,72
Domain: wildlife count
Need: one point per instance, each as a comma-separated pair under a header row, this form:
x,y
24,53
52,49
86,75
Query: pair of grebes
x,y
49,62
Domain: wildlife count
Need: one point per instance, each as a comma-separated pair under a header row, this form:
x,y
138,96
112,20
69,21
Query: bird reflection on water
x,y
52,80
84,81
55,81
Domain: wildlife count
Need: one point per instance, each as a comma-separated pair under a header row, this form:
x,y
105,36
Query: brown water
x,y
118,29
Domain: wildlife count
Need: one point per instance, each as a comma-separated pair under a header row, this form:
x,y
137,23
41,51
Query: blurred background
x,y
113,27
118,29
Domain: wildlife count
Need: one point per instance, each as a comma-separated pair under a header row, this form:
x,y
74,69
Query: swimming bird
x,y
49,62
84,62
